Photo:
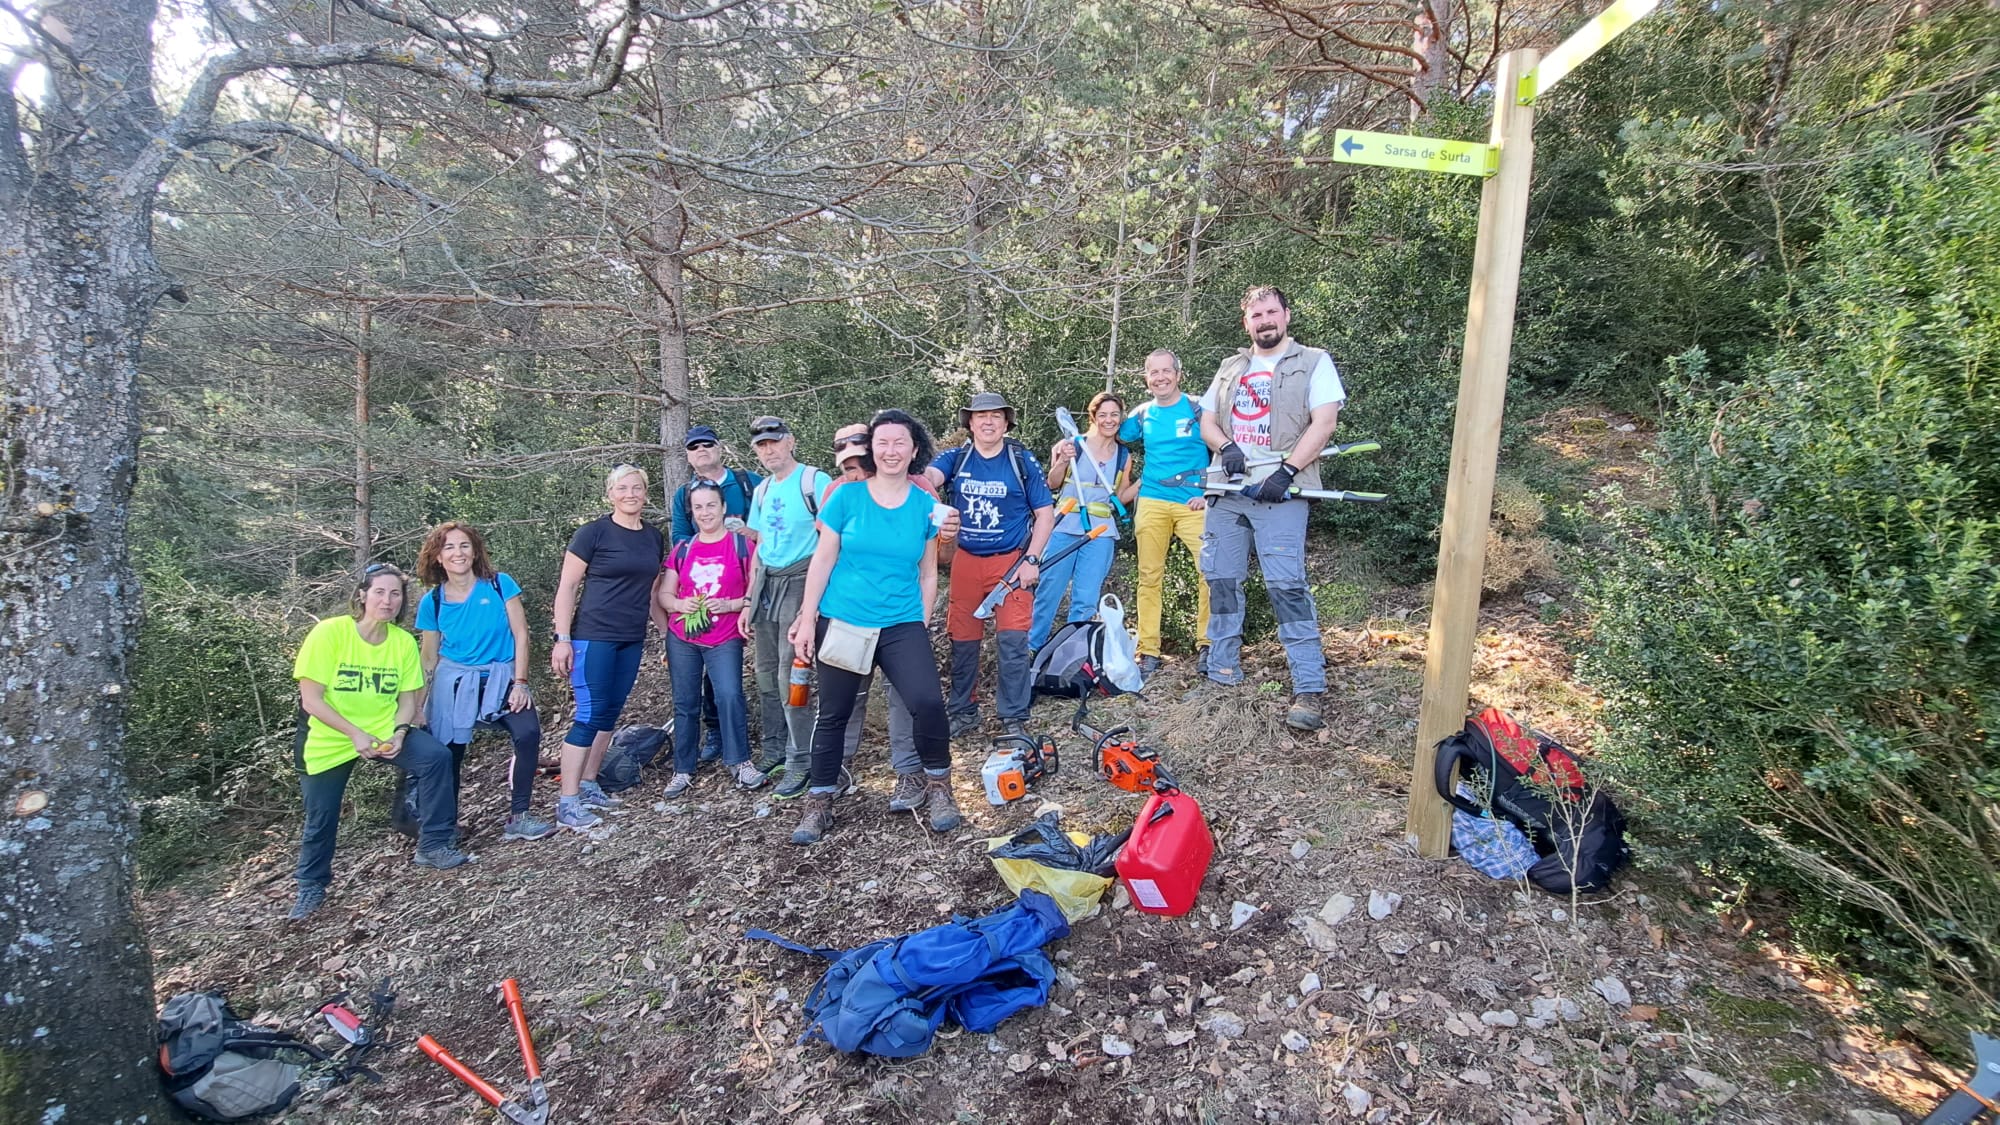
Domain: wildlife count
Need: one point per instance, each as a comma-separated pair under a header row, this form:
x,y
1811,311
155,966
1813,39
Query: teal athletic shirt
x,y
1174,449
874,582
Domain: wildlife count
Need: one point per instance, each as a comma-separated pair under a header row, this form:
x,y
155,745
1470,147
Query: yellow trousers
x,y
1156,524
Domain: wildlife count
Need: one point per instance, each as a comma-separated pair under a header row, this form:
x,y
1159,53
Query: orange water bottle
x,y
801,683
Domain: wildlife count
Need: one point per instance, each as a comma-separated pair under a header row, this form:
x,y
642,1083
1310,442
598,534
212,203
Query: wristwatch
x,y
1032,560
562,638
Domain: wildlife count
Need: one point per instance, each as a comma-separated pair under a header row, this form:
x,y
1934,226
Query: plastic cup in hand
x,y
939,514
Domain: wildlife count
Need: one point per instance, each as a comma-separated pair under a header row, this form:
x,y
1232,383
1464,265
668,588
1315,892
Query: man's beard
x,y
1269,337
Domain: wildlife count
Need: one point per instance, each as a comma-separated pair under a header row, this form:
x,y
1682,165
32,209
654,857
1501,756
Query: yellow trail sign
x,y
1398,150
1588,40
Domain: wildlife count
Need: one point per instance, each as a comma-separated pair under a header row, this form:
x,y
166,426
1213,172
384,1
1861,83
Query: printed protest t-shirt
x,y
475,631
1175,453
361,680
996,509
1250,415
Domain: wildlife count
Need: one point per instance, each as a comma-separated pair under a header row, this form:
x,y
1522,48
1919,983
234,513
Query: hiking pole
x,y
1310,493
1008,584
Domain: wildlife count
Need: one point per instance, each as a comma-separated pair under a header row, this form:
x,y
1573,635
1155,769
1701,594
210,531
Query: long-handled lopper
x,y
1310,493
536,1111
1008,584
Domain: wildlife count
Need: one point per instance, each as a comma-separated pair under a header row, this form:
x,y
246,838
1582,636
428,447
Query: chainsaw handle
x,y
510,993
459,1070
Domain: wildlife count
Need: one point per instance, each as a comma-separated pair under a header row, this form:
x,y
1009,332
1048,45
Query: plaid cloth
x,y
1494,847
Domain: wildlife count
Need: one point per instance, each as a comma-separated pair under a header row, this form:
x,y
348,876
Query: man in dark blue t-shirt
x,y
1004,510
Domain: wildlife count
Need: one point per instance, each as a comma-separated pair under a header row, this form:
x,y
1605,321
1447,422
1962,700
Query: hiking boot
x,y
1201,660
526,826
1148,666
794,785
909,794
747,775
940,803
964,723
443,858
1304,714
817,821
311,898
1014,726
677,785
573,814
594,796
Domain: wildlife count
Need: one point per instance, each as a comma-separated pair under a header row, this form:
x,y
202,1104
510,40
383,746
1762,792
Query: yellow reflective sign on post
x,y
1425,154
1588,40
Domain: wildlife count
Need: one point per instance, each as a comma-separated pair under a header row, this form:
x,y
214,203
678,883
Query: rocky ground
x,y
1326,973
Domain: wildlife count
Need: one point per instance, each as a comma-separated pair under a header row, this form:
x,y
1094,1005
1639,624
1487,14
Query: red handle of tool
x,y
459,1070
511,993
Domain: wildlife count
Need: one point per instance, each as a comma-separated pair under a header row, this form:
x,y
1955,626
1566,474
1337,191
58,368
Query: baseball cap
x,y
767,428
698,434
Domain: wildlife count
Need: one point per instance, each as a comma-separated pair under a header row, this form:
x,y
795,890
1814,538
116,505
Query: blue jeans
x,y
425,759
723,665
601,675
1081,576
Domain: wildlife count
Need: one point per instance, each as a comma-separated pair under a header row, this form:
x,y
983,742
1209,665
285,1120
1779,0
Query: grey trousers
x,y
1277,532
902,729
786,731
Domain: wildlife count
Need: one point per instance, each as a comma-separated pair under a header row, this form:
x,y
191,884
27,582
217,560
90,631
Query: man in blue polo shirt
x,y
1171,503
704,454
1005,510
782,514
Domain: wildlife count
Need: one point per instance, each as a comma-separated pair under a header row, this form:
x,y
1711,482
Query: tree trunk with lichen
x,y
77,286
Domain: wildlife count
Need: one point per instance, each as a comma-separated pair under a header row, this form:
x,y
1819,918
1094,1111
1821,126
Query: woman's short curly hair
x,y
919,436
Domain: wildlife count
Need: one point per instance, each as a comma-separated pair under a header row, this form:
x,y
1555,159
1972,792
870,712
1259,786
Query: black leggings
x,y
905,658
524,728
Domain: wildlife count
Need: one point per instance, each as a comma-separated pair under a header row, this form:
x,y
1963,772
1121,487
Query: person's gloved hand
x,y
1231,459
1276,487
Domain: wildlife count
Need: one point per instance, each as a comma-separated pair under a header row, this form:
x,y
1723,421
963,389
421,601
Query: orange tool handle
x,y
459,1070
511,993
1098,530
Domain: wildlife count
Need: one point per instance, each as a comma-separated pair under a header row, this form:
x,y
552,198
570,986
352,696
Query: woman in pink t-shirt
x,y
703,590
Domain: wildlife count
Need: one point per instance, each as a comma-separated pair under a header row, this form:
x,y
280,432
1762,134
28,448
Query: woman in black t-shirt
x,y
601,637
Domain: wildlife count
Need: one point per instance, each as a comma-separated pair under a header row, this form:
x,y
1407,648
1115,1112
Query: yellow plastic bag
x,y
1077,893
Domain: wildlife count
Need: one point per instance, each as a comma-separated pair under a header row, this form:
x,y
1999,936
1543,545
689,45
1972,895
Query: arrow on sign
x,y
1349,147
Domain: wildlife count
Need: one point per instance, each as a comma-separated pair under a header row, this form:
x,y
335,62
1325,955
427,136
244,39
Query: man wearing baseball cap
x,y
782,513
1003,502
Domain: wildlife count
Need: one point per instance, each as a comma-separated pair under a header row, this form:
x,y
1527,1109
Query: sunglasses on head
x,y
701,445
855,440
377,568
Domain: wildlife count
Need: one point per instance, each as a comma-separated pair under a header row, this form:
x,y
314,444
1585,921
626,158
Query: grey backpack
x,y
219,1067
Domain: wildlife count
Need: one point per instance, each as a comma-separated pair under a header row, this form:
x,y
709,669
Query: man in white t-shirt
x,y
1270,410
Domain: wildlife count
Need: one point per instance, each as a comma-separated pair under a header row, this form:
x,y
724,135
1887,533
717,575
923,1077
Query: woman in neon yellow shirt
x,y
360,678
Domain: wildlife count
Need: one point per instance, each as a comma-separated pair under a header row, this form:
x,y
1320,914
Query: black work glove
x,y
1276,487
1231,458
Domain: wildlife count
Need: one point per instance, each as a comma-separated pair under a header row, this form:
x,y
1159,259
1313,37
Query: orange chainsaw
x,y
1121,760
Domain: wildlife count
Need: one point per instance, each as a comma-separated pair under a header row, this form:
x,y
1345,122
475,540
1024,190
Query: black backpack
x,y
1528,779
219,1067
633,750
1071,664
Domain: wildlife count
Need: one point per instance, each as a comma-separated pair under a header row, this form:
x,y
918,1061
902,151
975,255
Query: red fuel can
x,y
1166,857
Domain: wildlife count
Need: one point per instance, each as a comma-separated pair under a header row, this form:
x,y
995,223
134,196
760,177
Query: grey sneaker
x,y
443,858
817,821
794,785
1148,666
595,797
1304,713
909,794
311,898
573,814
964,723
677,785
1014,726
747,775
527,826
939,801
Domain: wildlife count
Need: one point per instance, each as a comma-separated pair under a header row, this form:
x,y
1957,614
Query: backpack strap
x,y
806,490
1459,750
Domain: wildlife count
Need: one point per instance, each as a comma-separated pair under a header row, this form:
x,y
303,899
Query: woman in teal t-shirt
x,y
876,568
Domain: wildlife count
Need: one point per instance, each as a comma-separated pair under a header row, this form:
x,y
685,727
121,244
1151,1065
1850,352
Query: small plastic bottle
x,y
801,683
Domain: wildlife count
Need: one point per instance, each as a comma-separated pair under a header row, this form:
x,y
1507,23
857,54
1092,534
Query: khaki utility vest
x,y
1290,414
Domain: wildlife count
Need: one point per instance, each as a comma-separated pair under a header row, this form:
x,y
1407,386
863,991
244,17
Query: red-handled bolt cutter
x,y
536,1111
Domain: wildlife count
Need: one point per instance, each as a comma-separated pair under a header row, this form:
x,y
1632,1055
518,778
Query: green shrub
x,y
1801,652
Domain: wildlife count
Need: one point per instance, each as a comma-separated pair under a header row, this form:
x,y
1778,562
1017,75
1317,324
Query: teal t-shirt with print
x,y
1175,453
783,523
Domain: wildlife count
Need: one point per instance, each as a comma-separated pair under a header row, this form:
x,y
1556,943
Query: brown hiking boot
x,y
938,798
1304,714
909,794
817,821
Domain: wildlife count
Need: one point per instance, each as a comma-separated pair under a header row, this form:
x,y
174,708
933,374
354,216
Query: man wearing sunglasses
x,y
704,454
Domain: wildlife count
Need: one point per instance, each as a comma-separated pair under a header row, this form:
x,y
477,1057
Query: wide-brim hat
x,y
984,401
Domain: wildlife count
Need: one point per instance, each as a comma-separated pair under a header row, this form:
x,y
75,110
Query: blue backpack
x,y
889,997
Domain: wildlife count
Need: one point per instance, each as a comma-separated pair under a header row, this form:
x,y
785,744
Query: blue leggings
x,y
601,676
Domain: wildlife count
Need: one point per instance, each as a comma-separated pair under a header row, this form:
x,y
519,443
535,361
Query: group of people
x,y
830,579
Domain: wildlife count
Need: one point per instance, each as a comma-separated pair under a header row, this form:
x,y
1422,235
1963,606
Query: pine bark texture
x,y
77,285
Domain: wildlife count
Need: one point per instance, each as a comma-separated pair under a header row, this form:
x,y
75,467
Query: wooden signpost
x,y
1507,162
